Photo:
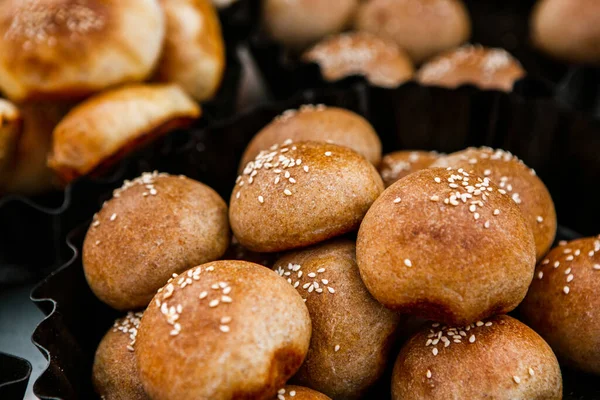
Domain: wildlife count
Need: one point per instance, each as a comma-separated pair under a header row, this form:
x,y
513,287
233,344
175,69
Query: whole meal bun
x,y
446,245
292,392
53,49
114,374
487,68
222,330
380,60
298,194
563,306
299,23
498,358
10,132
351,332
422,28
154,226
519,181
106,127
398,164
194,51
321,124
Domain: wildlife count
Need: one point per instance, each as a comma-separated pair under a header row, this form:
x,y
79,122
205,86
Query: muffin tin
x,y
14,376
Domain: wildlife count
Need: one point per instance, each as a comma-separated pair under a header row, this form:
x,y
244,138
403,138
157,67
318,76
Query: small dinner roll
x,y
499,358
222,330
10,132
292,392
398,164
56,49
106,127
379,60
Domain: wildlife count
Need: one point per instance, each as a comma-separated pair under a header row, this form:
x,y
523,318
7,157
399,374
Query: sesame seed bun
x,y
106,127
321,124
292,392
398,164
519,181
422,28
432,247
563,306
348,351
10,131
53,49
299,194
194,52
499,358
487,68
222,330
153,227
114,374
381,61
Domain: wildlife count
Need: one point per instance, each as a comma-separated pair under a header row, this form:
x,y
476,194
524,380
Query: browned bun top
x,y
321,124
10,132
114,374
398,164
446,245
563,305
154,226
380,60
107,126
422,28
567,29
53,49
222,330
498,358
488,68
292,392
299,194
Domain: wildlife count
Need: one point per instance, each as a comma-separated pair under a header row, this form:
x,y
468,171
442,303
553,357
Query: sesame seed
x,y
324,281
292,393
407,262
517,379
203,295
261,199
472,339
476,216
213,303
434,198
227,290
487,172
531,371
577,252
437,180
496,212
487,224
224,328
479,323
540,275
556,264
489,323
397,200
435,351
546,261
566,290
331,290
596,267
328,154
567,271
226,299
225,320
113,217
280,397
305,168
281,391
336,348
539,219
287,192
428,374
569,278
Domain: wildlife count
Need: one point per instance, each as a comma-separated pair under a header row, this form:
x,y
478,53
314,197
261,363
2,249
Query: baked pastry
x,y
318,123
487,68
292,195
222,330
153,226
562,304
519,181
446,245
292,392
106,127
114,374
10,132
56,49
379,60
422,28
498,358
398,164
351,332
194,52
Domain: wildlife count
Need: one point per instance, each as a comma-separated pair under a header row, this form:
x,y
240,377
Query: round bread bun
x,y
446,245
299,194
568,30
292,392
104,128
487,68
398,164
154,226
519,181
222,330
10,131
499,358
422,28
56,49
194,52
563,306
381,61
114,374
299,23
351,332
321,124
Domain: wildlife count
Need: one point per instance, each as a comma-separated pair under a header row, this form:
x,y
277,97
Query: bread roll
x,y
398,164
10,132
291,392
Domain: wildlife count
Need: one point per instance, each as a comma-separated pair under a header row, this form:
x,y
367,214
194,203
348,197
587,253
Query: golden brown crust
x,y
105,127
422,28
300,194
292,392
10,132
398,164
223,330
501,359
71,48
425,251
563,305
194,52
318,123
487,68
380,60
154,226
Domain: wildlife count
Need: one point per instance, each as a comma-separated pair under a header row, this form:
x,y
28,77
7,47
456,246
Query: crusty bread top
x,y
398,164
